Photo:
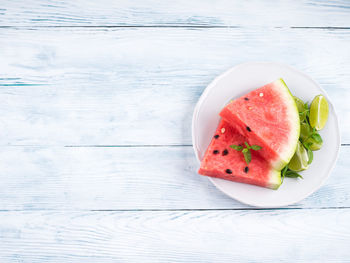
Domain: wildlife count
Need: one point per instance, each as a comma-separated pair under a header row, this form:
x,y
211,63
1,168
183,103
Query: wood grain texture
x,y
176,13
193,236
129,73
139,86
119,178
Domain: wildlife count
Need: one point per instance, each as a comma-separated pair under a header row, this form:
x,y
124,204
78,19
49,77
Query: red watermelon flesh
x,y
223,162
267,117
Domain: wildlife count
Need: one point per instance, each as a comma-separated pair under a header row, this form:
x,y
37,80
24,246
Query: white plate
x,y
239,81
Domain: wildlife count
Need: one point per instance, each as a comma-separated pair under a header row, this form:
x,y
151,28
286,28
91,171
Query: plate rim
x,y
210,87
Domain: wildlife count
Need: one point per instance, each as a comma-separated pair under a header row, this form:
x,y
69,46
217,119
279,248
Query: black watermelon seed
x,y
228,171
246,169
215,152
216,136
225,152
248,129
246,98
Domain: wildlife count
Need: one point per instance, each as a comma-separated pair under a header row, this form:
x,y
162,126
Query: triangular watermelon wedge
x,y
226,163
268,117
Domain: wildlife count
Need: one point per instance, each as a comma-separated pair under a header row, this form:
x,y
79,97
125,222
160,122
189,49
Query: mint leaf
x,y
283,172
292,174
304,116
316,137
236,147
256,147
246,151
306,145
247,156
306,107
305,113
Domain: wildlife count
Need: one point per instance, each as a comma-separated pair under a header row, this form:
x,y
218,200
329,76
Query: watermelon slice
x,y
226,163
268,117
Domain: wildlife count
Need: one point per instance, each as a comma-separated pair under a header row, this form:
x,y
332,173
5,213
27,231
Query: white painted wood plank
x,y
133,86
196,236
102,178
175,13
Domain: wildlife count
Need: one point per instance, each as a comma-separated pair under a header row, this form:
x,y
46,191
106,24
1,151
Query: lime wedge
x,y
314,146
318,112
300,104
299,160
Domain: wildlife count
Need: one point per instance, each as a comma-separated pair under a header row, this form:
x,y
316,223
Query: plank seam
x,y
174,210
217,209
176,26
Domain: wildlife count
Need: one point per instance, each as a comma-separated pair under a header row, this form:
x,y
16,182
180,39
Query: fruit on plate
x,y
268,117
222,161
318,112
307,137
299,161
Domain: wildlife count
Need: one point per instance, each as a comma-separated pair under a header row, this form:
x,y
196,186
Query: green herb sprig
x,y
286,172
314,135
305,114
311,136
246,151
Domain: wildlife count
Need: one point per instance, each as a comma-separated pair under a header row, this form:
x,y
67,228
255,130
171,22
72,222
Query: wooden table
x,y
96,161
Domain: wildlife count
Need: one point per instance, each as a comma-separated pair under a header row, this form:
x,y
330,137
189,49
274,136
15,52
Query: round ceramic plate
x,y
241,80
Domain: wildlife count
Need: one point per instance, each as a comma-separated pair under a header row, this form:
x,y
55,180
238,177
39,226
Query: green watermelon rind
x,y
275,179
295,130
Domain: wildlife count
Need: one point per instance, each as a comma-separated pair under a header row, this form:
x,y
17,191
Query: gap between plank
x,y
214,209
174,210
176,26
